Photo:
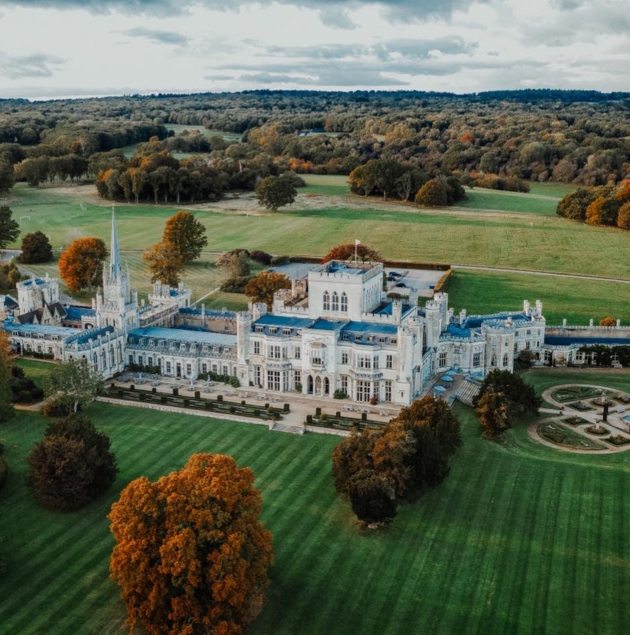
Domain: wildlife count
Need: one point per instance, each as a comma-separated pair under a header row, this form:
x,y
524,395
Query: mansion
x,y
334,331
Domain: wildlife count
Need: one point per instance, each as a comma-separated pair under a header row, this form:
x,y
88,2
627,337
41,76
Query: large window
x,y
344,302
326,301
476,360
297,377
389,361
273,351
442,360
506,360
335,301
344,357
256,348
273,380
363,390
344,383
316,358
298,352
257,376
363,361
388,391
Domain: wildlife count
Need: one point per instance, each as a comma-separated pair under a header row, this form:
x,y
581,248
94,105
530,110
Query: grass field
x,y
557,190
577,300
35,370
325,184
520,539
496,200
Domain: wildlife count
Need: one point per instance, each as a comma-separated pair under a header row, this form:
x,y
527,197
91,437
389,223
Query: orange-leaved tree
x,y
186,234
346,251
191,554
165,263
264,285
608,321
81,263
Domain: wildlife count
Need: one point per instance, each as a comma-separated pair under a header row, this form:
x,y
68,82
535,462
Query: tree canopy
x,y
165,263
81,263
191,554
346,251
73,385
72,465
264,285
274,192
9,228
36,248
186,235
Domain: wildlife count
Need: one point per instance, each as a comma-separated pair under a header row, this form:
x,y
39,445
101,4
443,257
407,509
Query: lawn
x,y
520,539
35,370
325,184
557,190
497,200
577,300
537,243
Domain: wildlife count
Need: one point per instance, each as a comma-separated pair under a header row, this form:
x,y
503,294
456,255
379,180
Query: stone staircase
x,y
468,390
286,427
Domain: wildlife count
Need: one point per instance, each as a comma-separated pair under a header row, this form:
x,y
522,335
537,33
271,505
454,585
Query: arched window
x,y
493,361
335,302
326,301
505,359
344,302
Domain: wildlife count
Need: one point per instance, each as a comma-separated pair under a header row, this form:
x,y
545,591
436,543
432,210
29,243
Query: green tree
x,y
352,455
7,176
186,235
274,192
72,466
574,205
73,385
191,554
6,407
36,248
371,498
9,229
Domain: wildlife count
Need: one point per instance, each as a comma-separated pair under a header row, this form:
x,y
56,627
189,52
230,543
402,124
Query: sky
x,y
73,48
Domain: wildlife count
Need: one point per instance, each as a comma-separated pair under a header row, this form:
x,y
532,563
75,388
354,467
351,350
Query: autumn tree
x,y
275,192
6,407
574,205
191,554
602,211
623,217
185,234
9,228
372,498
346,251
36,248
72,465
352,455
432,194
492,411
608,321
81,263
165,263
73,385
264,285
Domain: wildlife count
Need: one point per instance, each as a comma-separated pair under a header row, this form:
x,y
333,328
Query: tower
x,y
117,306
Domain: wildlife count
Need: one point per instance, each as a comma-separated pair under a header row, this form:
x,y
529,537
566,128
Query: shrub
x,y
371,498
280,260
339,394
432,194
261,256
53,410
235,285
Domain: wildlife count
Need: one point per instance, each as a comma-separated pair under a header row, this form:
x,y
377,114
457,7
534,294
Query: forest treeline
x,y
492,139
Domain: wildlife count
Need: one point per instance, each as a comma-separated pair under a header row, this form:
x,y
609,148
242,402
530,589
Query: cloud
x,y
157,36
34,65
333,12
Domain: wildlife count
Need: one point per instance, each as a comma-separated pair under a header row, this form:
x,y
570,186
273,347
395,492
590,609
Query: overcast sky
x,y
55,48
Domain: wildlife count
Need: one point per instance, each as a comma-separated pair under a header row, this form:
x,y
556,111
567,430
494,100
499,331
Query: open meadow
x,y
520,538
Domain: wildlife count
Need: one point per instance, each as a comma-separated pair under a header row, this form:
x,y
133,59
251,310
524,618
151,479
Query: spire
x,y
115,266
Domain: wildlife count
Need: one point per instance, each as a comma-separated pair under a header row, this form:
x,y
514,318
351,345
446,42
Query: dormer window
x,y
259,329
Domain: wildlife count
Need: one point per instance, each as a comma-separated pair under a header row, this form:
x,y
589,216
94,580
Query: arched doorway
x,y
309,385
326,386
318,385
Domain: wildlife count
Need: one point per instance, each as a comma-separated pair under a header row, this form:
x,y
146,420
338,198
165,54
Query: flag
x,y
357,242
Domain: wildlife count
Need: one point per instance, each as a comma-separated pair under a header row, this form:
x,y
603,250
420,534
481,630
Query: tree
x,y
9,229
6,407
274,192
191,554
73,385
492,411
602,211
36,248
264,285
432,194
371,498
574,205
165,263
72,466
81,263
7,176
186,235
608,321
623,217
520,398
238,265
346,251
352,455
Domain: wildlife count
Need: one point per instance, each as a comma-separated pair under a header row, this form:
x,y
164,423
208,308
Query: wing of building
x,y
335,330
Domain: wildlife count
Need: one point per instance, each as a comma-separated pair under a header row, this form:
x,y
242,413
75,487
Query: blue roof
x,y
75,312
476,321
197,311
337,267
566,341
184,335
326,325
369,327
281,320
451,329
389,307
85,335
43,329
